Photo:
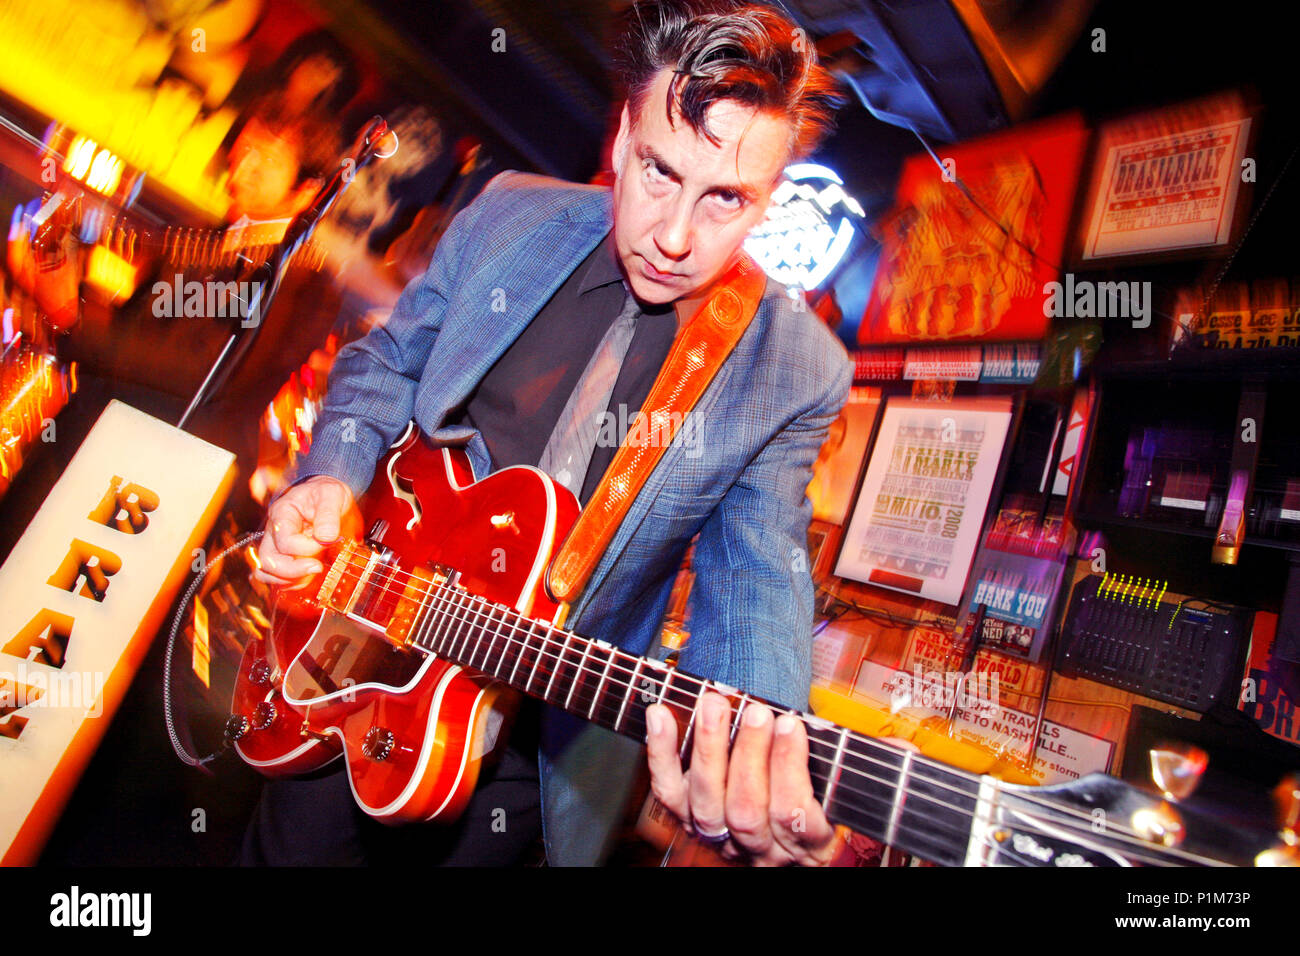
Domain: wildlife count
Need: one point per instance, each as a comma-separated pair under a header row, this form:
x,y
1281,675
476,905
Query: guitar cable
x,y
182,752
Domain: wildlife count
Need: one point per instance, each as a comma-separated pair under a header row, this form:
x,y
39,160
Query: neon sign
x,y
808,227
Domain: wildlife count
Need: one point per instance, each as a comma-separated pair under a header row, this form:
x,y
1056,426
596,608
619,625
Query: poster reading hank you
x,y
919,513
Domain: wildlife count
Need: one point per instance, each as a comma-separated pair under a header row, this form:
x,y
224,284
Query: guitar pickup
x,y
364,586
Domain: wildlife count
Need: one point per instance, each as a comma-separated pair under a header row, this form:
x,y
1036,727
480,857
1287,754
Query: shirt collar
x,y
603,267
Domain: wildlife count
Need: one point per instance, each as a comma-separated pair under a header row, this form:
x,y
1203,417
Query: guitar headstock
x,y
1100,820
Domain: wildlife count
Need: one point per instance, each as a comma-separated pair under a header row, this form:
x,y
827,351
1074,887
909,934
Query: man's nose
x,y
673,237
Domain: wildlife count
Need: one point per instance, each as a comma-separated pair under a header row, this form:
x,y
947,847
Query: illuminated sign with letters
x,y
808,227
81,597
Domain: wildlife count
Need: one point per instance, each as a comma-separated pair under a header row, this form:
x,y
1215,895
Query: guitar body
x,y
412,728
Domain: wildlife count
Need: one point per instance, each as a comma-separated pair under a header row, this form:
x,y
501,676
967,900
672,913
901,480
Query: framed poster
x,y
920,510
839,462
1166,181
957,271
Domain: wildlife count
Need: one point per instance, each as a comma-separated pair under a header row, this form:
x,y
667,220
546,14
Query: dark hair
x,y
726,50
329,102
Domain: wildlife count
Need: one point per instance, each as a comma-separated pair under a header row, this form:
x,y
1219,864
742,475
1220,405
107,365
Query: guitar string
x,y
448,592
477,605
445,592
1142,850
453,611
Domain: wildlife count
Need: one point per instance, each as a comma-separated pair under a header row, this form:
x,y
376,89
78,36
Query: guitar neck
x,y
895,796
233,247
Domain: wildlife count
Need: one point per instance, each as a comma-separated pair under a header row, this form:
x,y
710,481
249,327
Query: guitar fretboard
x,y
902,799
233,247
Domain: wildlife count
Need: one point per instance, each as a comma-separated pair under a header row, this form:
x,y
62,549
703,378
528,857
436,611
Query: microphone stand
x,y
266,279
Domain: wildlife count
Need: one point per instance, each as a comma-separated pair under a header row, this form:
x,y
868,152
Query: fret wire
x,y
833,776
666,690
437,617
444,634
473,637
464,643
577,677
477,604
902,830
432,620
469,645
422,617
456,627
604,676
429,620
631,689
518,636
541,646
508,647
438,636
897,807
559,661
521,654
492,628
668,679
634,717
447,638
485,612
688,736
474,606
745,701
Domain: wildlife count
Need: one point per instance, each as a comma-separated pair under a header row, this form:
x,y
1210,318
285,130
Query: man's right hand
x,y
300,523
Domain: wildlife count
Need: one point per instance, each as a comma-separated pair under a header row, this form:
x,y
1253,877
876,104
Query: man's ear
x,y
621,140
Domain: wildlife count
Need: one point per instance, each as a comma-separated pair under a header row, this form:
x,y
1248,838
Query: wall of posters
x,y
1063,753
1167,180
948,271
919,514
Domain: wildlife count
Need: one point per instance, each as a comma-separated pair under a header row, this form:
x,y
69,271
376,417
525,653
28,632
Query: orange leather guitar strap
x,y
699,350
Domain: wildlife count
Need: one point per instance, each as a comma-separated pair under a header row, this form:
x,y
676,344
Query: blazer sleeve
x,y
752,607
372,386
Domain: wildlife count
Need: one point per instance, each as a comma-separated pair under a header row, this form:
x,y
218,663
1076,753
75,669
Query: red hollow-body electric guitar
x,y
406,660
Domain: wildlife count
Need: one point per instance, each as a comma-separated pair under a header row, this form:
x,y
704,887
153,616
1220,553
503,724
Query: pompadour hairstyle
x,y
726,50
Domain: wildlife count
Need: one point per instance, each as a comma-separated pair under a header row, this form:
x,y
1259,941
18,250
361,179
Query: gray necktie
x,y
568,451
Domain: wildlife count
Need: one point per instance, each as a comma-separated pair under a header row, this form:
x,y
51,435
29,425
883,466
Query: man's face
x,y
683,206
263,174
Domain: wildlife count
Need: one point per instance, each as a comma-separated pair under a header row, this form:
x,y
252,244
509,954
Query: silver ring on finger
x,y
713,839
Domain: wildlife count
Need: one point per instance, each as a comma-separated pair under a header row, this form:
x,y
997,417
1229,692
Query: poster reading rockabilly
x,y
1167,180
919,513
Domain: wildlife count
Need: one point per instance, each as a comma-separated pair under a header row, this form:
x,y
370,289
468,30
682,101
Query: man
x,y
500,331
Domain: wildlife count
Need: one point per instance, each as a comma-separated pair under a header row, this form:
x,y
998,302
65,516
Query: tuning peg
x,y
1176,768
1286,798
1160,824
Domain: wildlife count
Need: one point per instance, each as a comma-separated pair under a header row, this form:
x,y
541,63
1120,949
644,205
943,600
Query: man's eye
x,y
728,198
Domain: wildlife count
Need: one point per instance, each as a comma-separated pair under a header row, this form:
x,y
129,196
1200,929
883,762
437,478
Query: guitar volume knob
x,y
378,744
264,715
236,726
260,672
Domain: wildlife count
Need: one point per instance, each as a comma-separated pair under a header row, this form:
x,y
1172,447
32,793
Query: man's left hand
x,y
757,790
